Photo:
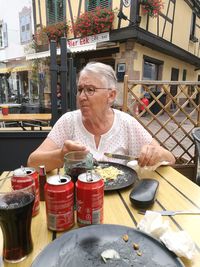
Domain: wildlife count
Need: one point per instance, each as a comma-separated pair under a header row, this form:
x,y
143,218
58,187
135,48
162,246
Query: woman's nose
x,y
82,94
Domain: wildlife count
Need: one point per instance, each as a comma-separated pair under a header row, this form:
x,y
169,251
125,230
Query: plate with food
x,y
106,245
116,176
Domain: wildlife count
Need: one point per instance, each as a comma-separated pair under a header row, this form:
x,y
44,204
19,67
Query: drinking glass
x,y
15,218
77,162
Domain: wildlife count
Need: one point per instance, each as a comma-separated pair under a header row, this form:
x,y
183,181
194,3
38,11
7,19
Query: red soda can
x,y
20,180
89,199
59,198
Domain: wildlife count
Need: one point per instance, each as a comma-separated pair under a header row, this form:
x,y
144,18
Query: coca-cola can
x,y
20,180
59,199
89,199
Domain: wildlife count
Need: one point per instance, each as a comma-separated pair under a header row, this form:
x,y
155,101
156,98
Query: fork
x,y
172,213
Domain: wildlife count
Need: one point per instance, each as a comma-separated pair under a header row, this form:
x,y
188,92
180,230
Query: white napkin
x,y
153,224
179,242
134,165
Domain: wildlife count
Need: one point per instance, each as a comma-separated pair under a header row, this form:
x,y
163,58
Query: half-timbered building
x,y
164,45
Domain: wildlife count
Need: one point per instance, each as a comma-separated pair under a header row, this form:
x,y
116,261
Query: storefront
x,y
15,84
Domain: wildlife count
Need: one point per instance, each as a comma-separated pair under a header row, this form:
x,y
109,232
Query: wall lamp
x,y
124,17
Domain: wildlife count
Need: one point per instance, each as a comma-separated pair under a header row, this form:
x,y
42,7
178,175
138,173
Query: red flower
x,y
99,20
51,32
152,7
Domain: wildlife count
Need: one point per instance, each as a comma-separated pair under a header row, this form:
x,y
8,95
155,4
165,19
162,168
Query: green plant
x,y
94,22
152,7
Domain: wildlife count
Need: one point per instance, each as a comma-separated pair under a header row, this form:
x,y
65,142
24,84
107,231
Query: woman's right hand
x,y
69,146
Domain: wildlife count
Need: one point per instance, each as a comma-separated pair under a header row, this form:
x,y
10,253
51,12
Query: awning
x,y
72,49
38,55
41,54
15,69
20,68
4,70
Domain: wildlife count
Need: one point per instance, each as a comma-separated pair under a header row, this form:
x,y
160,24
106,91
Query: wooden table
x,y
176,192
22,120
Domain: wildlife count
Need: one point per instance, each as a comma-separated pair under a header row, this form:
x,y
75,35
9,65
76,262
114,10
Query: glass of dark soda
x,y
77,162
15,219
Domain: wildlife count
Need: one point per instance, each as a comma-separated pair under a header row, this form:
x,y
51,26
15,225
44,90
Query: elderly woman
x,y
97,127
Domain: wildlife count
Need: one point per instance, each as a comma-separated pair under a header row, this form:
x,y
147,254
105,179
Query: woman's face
x,y
93,105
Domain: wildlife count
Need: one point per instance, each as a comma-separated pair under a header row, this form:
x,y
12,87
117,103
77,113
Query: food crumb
x,y
139,253
125,237
135,246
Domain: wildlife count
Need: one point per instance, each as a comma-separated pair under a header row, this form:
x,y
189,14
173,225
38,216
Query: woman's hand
x,y
150,155
72,146
154,153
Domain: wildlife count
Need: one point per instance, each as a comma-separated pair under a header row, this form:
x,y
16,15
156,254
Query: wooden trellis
x,y
172,113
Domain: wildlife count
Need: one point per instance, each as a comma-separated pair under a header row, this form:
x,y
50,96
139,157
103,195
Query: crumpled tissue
x,y
179,242
134,165
153,224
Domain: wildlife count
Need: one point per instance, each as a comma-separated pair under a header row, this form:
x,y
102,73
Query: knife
x,y
118,156
173,212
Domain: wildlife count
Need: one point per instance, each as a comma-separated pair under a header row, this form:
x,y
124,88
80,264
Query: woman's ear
x,y
112,96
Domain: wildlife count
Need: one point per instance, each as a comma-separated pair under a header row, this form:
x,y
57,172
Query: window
x,y
192,29
3,35
92,4
184,75
55,11
25,25
152,70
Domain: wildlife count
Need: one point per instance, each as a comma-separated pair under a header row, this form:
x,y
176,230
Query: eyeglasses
x,y
89,91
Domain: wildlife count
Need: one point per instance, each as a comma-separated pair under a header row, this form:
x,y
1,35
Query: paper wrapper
x,y
179,242
134,165
153,224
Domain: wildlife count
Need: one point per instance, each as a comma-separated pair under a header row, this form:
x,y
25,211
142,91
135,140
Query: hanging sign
x,y
126,3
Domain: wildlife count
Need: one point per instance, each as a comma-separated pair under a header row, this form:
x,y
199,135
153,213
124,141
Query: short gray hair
x,y
103,70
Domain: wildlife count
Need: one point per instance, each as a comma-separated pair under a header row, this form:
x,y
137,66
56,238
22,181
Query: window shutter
x,y
55,11
5,35
1,35
59,10
105,3
28,28
22,29
25,28
51,11
92,4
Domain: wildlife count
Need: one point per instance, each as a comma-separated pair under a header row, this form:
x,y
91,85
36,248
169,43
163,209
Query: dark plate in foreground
x,y
124,180
83,247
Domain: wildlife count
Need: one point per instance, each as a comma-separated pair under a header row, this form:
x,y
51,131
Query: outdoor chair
x,y
16,146
196,136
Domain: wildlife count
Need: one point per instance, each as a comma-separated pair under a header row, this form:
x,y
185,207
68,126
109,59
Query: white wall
x,y
9,13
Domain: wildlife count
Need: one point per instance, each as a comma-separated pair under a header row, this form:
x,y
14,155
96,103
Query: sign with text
x,y
97,38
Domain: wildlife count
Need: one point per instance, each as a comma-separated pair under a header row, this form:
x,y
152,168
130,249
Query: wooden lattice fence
x,y
170,114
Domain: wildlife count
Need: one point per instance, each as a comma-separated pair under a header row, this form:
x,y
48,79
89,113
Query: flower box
x,y
51,32
94,22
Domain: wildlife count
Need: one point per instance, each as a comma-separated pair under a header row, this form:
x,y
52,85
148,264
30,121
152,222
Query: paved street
x,y
179,131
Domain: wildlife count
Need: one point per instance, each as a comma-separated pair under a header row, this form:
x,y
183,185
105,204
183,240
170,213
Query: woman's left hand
x,y
153,153
150,155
